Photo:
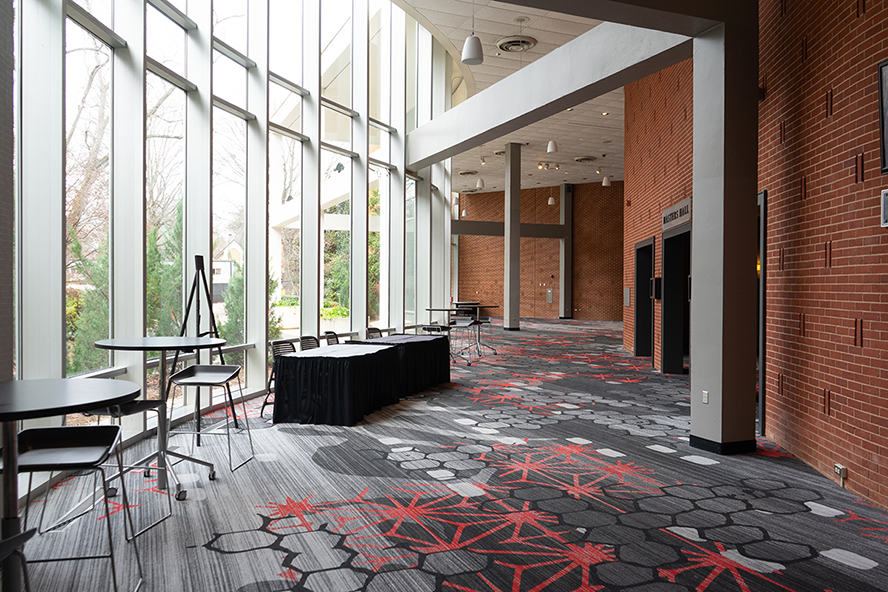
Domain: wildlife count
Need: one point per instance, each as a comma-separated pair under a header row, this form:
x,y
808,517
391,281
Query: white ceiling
x,y
583,131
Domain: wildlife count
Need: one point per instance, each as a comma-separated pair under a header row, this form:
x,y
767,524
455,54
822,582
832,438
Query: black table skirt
x,y
338,390
424,360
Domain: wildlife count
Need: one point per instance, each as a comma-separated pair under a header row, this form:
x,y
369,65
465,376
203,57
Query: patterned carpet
x,y
560,464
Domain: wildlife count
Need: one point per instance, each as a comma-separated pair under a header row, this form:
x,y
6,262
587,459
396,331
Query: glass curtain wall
x,y
311,129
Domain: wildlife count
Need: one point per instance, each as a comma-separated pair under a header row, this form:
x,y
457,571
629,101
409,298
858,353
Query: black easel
x,y
200,277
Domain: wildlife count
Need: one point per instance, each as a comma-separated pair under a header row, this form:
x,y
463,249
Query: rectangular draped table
x,y
424,360
335,385
340,384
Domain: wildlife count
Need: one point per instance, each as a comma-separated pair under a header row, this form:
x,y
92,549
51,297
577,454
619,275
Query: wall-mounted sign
x,y
677,214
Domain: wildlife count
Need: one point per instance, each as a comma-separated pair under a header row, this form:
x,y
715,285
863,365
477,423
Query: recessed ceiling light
x,y
604,112
570,108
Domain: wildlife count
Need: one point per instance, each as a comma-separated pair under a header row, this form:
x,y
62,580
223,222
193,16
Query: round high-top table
x,y
164,344
29,399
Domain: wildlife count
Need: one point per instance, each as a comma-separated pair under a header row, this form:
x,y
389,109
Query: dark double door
x,y
674,292
676,304
644,299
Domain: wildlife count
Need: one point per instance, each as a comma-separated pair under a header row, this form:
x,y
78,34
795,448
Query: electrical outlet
x,y
705,397
840,470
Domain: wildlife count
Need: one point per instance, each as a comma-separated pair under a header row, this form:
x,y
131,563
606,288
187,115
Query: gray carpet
x,y
561,464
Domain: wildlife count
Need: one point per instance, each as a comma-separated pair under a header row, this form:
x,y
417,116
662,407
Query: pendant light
x,y
472,55
553,147
479,184
551,201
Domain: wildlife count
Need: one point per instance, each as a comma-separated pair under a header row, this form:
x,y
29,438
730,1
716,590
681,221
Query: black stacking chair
x,y
278,348
134,408
309,342
332,337
13,546
75,448
373,332
217,375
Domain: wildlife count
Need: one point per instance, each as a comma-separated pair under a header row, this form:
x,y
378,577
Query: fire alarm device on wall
x,y
885,208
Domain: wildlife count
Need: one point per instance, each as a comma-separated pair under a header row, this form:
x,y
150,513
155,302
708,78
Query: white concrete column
x,y
42,182
398,177
128,195
310,303
424,241
199,153
440,195
256,231
360,172
723,304
512,240
424,250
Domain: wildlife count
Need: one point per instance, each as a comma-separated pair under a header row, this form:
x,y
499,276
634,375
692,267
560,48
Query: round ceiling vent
x,y
516,43
467,173
585,159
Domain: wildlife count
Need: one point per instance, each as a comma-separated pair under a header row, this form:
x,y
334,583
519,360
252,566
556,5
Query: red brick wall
x,y
597,252
826,393
814,50
481,271
597,267
658,170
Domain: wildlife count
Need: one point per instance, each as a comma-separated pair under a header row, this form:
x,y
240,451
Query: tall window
x,y
336,179
164,211
285,229
229,80
336,38
284,204
229,240
380,80
412,31
378,241
230,23
87,198
285,39
410,253
165,40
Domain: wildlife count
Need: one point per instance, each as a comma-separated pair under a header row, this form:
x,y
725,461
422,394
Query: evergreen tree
x,y
93,321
